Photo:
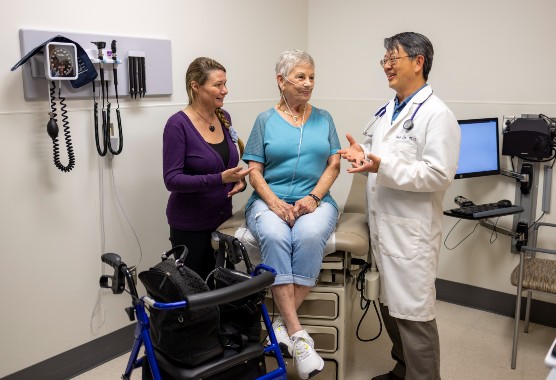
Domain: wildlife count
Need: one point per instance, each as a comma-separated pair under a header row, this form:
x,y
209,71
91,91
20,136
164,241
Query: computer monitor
x,y
479,154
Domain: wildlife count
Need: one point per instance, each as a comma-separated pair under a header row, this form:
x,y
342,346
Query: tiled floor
x,y
474,345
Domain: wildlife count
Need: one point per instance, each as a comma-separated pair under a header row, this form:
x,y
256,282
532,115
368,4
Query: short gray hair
x,y
414,44
290,59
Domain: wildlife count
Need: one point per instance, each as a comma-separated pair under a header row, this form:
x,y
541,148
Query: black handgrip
x,y
179,252
104,126
130,76
244,255
96,113
230,293
217,235
108,119
113,47
120,123
112,259
143,76
115,75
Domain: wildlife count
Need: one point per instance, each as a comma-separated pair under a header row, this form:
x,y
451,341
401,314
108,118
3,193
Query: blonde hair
x,y
226,123
199,71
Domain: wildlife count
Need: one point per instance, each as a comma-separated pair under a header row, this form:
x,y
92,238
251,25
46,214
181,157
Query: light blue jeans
x,y
296,253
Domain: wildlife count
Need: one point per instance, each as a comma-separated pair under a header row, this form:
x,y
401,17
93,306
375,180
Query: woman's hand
x,y
354,153
305,205
283,210
235,174
238,188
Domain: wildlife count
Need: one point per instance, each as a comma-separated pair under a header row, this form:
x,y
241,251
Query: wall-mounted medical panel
x,y
139,60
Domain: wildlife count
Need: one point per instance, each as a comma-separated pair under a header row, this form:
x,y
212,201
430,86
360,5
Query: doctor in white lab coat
x,y
411,153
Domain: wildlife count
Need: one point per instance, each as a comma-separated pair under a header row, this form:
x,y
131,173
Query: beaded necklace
x,y
290,113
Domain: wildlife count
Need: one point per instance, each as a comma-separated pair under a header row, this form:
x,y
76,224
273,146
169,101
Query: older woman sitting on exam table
x,y
292,149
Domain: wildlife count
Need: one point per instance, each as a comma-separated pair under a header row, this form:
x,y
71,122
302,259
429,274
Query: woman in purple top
x,y
200,164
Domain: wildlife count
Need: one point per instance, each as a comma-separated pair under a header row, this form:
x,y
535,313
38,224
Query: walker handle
x,y
230,293
112,259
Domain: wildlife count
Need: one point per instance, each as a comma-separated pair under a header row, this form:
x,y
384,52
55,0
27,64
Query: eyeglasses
x,y
392,60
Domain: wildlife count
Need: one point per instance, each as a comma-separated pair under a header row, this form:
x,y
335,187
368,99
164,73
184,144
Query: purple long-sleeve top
x,y
192,173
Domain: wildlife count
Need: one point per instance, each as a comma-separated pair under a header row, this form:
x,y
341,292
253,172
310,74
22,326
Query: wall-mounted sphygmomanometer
x,y
61,61
64,60
60,64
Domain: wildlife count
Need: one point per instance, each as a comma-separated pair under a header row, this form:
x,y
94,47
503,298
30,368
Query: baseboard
x,y
80,359
99,351
493,301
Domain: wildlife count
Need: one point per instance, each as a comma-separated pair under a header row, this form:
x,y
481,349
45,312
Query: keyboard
x,y
486,210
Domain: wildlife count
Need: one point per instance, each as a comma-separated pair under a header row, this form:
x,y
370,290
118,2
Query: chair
x,y
532,274
326,312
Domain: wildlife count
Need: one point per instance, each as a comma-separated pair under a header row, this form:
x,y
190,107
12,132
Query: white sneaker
x,y
305,358
282,337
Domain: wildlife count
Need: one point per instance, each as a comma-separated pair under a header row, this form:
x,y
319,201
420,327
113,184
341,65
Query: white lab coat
x,y
405,201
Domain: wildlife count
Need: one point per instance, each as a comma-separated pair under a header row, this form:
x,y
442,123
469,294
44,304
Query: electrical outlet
x,y
133,271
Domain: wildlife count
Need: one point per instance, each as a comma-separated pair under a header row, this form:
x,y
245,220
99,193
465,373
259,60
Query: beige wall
x,y
492,58
51,232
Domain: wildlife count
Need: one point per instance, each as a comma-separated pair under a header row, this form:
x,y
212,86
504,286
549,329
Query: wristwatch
x,y
317,199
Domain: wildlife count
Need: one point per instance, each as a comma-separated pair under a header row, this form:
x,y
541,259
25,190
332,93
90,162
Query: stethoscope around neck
x,y
407,125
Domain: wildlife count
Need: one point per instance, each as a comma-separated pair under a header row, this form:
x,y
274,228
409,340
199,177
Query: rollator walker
x,y
154,363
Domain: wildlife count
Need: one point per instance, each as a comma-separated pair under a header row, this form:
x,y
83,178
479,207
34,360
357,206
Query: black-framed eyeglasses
x,y
392,60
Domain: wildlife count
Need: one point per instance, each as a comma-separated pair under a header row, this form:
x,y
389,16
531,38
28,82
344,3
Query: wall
x,y
491,59
51,236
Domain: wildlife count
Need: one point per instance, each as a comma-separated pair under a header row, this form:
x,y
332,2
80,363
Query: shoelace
x,y
301,347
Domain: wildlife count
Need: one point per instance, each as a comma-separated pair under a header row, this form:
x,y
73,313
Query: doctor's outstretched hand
x,y
367,164
360,162
354,152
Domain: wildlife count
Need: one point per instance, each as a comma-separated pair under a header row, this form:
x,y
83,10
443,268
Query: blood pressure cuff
x,y
87,72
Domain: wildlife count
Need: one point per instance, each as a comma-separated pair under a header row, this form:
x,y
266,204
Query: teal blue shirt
x,y
293,158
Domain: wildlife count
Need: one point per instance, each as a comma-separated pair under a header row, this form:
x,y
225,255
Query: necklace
x,y
295,117
211,127
290,113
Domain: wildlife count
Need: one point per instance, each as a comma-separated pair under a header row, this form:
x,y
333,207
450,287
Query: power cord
x,y
126,217
493,235
462,240
364,303
98,310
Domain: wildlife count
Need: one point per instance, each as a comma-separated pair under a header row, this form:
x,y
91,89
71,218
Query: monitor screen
x,y
478,155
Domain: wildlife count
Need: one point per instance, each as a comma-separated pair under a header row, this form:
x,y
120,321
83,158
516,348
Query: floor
x,y
474,345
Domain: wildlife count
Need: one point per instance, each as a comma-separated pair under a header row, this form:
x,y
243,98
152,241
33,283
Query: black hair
x,y
414,44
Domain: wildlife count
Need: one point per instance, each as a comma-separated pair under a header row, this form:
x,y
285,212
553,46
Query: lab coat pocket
x,y
405,149
399,237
